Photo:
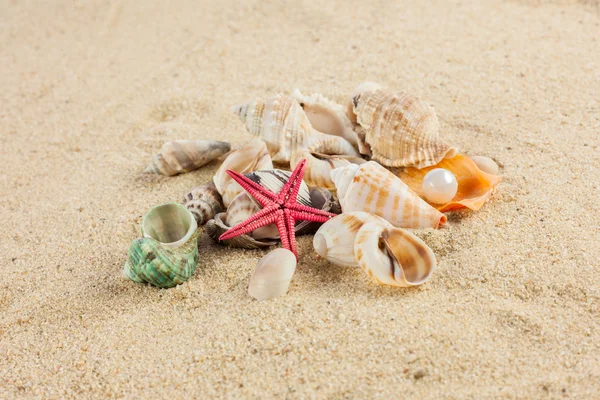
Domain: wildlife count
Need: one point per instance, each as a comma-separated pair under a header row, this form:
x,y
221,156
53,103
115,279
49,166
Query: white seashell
x,y
485,164
254,156
372,188
180,156
282,124
363,87
272,275
389,255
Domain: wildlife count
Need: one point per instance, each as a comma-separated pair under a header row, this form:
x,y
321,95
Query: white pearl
x,y
486,164
439,186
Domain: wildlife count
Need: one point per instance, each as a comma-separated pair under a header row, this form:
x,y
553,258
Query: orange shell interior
x,y
475,187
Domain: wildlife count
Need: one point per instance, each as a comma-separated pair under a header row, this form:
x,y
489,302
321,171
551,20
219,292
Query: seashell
x,y
217,226
272,275
319,166
372,188
240,209
389,255
179,156
485,164
282,124
204,202
401,130
167,254
475,187
253,156
327,116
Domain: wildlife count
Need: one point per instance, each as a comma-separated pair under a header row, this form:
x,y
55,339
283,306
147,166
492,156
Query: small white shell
x,y
180,156
272,275
485,164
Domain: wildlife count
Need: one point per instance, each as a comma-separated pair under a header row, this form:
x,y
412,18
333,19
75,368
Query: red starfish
x,y
280,208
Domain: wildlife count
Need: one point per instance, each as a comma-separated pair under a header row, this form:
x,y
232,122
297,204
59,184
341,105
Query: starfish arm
x,y
291,227
264,217
283,231
289,191
305,216
261,194
302,208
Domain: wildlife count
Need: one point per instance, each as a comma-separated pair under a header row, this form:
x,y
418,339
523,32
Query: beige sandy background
x,y
89,92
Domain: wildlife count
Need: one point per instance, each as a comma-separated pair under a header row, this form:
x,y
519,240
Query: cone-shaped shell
x,y
167,255
372,188
254,156
327,116
179,156
389,255
475,187
204,202
282,124
272,275
401,130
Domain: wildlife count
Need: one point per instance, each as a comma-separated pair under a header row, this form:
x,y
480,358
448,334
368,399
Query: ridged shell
x,y
475,187
204,202
240,209
272,275
254,156
217,226
389,255
179,156
168,263
282,124
327,116
372,188
360,89
402,130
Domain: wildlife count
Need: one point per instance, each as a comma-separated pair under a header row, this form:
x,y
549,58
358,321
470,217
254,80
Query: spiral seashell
x,y
179,156
401,130
360,89
167,255
327,117
204,202
272,275
254,156
282,124
389,255
372,188
475,187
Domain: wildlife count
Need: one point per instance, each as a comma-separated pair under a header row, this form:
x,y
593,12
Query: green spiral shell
x,y
150,261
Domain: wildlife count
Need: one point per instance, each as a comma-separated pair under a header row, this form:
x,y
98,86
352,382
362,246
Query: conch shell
x,y
282,124
204,202
475,187
401,130
254,156
389,255
319,165
327,116
243,206
179,156
372,188
360,89
272,275
167,254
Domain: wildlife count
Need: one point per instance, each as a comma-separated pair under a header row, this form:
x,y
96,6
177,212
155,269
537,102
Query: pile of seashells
x,y
348,151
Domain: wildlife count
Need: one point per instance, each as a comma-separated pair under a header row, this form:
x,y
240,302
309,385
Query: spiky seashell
x,y
217,226
179,156
282,124
254,156
372,188
401,130
272,275
319,166
204,202
167,255
475,187
327,116
389,255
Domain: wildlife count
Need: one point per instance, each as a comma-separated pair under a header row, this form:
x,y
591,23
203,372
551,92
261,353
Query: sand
x,y
90,91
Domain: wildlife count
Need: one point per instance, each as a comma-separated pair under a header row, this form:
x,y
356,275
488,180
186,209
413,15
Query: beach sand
x,y
90,91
